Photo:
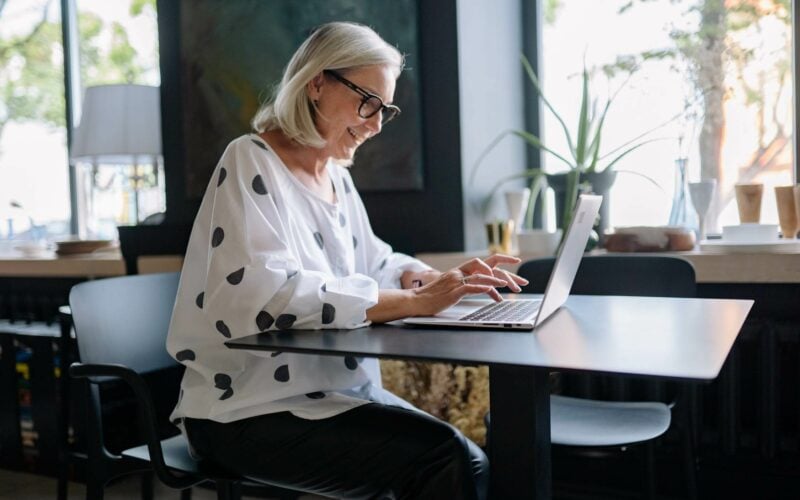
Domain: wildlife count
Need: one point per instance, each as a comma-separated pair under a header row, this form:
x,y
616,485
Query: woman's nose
x,y
374,123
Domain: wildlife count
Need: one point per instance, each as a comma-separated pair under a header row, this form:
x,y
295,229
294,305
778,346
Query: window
x,y
710,81
116,43
34,186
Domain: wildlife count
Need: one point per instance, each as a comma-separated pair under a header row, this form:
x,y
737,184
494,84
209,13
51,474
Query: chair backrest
x,y
125,320
161,239
642,275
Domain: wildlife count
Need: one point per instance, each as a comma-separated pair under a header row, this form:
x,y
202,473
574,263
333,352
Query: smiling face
x,y
337,118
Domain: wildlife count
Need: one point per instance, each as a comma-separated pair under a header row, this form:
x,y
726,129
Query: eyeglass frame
x,y
366,96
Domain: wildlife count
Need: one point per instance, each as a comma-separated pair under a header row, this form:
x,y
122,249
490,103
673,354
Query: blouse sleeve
x,y
382,263
253,281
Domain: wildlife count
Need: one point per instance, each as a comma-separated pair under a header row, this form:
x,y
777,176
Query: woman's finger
x,y
507,279
517,278
483,279
477,289
475,266
500,258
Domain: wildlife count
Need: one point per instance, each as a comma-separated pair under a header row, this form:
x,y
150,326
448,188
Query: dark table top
x,y
642,336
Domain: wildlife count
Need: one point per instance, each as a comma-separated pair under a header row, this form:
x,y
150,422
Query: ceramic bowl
x,y
750,233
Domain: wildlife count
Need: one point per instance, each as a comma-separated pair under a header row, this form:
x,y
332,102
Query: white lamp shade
x,y
119,123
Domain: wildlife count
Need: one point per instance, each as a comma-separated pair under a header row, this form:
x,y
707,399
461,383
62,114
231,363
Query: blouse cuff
x,y
353,295
398,264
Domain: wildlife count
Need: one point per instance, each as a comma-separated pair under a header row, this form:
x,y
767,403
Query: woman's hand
x,y
473,277
414,279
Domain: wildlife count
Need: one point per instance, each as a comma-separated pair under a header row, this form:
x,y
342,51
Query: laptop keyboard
x,y
505,311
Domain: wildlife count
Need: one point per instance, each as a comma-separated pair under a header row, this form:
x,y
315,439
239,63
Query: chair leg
x,y
650,469
690,455
63,483
94,490
147,486
64,347
229,490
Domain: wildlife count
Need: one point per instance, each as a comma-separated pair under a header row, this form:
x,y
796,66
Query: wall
x,y
490,81
471,89
412,221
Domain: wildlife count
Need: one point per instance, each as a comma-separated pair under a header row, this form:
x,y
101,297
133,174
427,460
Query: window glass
x,y
118,45
708,81
34,186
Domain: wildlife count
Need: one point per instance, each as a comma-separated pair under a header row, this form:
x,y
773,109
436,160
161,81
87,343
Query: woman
x,y
282,241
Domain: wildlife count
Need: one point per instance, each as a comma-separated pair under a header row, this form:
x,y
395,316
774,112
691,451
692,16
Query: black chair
x,y
583,422
121,326
159,239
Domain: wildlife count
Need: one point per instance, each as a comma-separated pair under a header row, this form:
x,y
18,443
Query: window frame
x,y
531,48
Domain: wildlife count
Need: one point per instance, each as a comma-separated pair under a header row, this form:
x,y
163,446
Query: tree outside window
x,y
712,77
117,43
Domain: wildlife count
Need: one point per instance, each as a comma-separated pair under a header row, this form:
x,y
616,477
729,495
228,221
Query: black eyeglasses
x,y
370,103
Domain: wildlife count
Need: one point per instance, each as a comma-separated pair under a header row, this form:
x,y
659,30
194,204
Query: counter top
x,y
709,267
51,265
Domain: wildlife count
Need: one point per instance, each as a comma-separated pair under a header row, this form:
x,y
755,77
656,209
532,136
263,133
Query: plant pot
x,y
538,242
600,182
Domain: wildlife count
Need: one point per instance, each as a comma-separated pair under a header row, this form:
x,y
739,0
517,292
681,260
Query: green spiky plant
x,y
584,150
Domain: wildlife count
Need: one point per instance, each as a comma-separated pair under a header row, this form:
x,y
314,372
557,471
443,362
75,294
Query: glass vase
x,y
682,214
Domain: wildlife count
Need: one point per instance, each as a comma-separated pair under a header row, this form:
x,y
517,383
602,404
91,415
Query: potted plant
x,y
587,168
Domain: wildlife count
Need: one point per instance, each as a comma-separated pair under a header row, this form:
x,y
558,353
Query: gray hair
x,y
339,46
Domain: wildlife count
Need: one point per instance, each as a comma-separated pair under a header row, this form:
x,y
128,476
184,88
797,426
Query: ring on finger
x,y
464,280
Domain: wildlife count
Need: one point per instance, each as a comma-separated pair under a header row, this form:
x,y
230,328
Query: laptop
x,y
520,313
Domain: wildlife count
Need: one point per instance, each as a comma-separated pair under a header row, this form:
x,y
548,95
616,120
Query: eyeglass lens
x,y
372,105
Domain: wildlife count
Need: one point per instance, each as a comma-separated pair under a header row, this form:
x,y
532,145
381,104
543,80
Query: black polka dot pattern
x,y
282,373
350,362
291,273
223,381
324,287
235,277
222,174
199,300
260,144
328,313
383,264
276,353
217,237
223,329
258,185
346,186
315,395
318,238
264,320
185,355
285,321
355,242
342,220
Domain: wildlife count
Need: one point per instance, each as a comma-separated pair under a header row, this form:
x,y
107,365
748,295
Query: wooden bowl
x,y
650,239
74,247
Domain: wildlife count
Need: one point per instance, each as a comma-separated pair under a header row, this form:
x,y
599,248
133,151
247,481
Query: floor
x,y
23,486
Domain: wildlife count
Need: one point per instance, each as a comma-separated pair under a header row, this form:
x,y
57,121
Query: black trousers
x,y
372,451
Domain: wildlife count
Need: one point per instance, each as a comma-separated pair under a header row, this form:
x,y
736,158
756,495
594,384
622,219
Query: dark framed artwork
x,y
232,53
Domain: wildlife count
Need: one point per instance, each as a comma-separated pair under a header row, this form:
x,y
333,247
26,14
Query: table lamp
x,y
120,125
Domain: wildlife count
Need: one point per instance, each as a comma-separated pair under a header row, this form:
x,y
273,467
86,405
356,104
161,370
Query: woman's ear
x,y
314,87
